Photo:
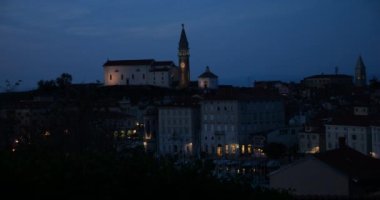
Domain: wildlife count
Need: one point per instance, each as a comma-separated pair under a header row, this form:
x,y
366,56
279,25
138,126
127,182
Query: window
x,y
233,149
219,150
110,77
133,76
122,77
353,137
249,149
226,148
143,76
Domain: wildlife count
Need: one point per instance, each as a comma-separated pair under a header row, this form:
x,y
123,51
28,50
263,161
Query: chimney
x,y
342,142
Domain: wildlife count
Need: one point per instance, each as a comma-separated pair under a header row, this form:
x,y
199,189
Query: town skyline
x,y
241,42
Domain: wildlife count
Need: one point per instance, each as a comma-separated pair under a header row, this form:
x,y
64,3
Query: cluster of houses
x,y
154,104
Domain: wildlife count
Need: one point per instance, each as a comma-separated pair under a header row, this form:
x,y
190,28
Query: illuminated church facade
x,y
149,71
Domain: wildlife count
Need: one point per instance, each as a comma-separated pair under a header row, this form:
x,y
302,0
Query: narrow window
x,y
110,77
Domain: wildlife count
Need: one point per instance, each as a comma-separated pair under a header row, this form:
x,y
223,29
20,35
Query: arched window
x,y
219,150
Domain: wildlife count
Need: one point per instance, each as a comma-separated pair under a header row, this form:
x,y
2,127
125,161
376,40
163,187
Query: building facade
x,y
208,80
311,140
356,136
140,72
149,71
228,126
375,133
327,81
178,132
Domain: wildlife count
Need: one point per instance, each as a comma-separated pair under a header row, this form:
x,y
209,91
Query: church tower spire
x,y
183,60
360,73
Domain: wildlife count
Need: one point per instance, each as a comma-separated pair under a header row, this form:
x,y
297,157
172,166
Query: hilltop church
x,y
149,71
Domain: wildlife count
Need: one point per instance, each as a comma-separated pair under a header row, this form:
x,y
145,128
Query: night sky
x,y
240,40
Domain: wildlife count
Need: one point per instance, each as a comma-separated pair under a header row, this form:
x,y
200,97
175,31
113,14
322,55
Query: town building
x,y
284,135
229,122
208,80
311,140
360,73
149,71
140,72
339,173
328,81
178,129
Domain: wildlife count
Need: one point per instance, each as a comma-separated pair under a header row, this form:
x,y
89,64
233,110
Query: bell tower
x,y
183,60
360,73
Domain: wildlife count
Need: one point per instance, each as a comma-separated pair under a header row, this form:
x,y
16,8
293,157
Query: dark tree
x,y
64,80
275,150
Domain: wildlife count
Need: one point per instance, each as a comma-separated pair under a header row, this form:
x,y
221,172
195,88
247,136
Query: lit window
x,y
242,149
249,149
233,149
219,150
226,148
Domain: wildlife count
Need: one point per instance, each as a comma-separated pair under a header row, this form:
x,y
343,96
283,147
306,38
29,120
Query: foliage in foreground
x,y
38,173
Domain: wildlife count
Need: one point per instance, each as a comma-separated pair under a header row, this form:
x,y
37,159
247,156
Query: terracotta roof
x,y
208,74
164,69
354,120
329,76
164,63
353,163
129,62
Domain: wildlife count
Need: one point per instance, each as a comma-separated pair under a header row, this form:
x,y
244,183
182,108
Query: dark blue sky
x,y
240,40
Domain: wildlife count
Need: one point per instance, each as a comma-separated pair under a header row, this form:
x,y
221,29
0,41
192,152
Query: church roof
x,y
129,62
183,43
208,74
163,63
329,76
360,63
352,163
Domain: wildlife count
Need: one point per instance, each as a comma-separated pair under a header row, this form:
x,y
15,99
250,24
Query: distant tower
x,y
183,56
360,74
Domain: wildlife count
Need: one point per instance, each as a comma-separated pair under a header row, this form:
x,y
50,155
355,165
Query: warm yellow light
x,y
249,149
17,141
145,144
242,149
47,133
219,151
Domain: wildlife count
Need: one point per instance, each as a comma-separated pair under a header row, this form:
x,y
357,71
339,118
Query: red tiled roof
x,y
353,163
129,62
